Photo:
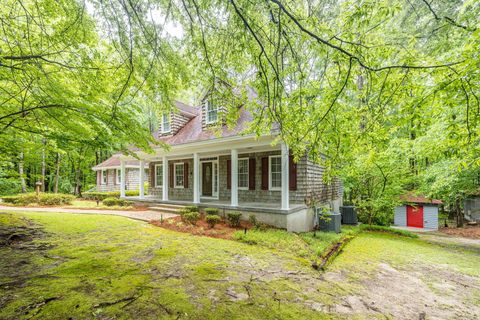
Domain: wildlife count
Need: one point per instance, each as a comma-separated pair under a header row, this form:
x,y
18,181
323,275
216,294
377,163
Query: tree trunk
x,y
44,142
458,213
57,173
78,181
21,174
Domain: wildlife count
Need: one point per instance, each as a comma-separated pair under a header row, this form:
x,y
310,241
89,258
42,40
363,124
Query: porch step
x,y
167,208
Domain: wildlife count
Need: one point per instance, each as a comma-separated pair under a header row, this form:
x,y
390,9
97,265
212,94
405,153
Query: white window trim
x,y
104,176
207,102
248,174
118,176
169,121
175,175
270,173
157,183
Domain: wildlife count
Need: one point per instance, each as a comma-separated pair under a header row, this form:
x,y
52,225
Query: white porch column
x,y
196,178
285,180
122,178
234,176
165,179
141,181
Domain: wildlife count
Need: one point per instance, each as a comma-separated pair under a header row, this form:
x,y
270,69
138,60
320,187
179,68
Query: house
x,y
210,164
109,176
417,212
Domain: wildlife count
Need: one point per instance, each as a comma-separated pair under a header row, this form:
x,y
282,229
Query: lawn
x,y
87,266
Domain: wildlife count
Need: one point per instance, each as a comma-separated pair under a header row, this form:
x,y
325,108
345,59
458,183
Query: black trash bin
x,y
330,221
349,215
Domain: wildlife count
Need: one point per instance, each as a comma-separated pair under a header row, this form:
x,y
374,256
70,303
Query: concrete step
x,y
168,205
165,210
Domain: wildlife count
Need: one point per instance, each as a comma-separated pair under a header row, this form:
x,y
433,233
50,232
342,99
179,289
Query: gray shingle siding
x,y
131,181
309,180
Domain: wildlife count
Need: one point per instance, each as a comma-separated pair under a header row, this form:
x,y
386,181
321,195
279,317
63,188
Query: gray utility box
x,y
330,222
349,215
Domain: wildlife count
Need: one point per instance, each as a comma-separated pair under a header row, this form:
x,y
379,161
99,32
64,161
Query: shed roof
x,y
412,198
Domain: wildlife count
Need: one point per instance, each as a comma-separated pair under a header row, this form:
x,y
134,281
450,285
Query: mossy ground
x,y
111,267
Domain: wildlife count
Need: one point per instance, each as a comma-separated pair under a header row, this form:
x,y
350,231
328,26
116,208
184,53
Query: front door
x,y
207,179
415,216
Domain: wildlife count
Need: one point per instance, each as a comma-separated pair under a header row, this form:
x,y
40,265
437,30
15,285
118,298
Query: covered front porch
x,y
270,207
242,172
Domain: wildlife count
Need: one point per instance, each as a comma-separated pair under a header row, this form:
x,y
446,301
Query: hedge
x,y
94,195
211,211
110,202
233,219
47,199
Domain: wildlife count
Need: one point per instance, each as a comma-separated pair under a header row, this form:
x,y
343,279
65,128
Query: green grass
x,y
95,261
399,232
307,245
400,250
101,259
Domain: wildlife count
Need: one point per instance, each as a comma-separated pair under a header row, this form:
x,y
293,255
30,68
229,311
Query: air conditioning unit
x,y
349,215
328,221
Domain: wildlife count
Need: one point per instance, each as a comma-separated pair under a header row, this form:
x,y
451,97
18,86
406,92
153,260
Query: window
x,y
104,176
178,175
212,112
118,174
275,169
243,174
166,123
158,175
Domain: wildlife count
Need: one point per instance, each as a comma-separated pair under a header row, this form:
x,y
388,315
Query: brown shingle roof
x,y
411,198
192,131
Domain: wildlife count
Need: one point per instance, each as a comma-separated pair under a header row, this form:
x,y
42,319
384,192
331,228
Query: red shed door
x,y
415,216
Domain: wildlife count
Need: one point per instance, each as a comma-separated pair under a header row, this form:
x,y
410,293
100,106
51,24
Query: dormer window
x,y
166,128
212,112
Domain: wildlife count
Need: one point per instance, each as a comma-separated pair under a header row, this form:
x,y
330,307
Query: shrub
x,y
9,199
55,199
182,212
192,208
191,217
49,199
211,211
233,219
253,220
212,220
95,195
110,202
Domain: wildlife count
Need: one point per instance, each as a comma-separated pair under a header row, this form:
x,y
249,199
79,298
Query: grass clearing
x,y
89,266
308,245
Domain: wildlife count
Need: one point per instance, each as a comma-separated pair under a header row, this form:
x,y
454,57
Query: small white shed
x,y
417,212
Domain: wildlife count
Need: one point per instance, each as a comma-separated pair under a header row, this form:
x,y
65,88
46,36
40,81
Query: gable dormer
x,y
171,122
212,113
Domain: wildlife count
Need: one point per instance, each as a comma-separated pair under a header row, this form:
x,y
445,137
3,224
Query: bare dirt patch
x,y
472,232
411,292
221,229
